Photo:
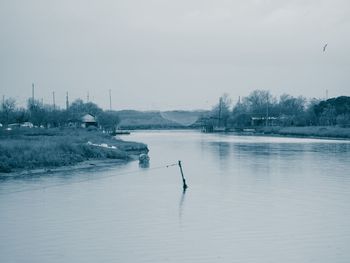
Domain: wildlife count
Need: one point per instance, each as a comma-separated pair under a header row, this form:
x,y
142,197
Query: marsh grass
x,y
315,131
38,148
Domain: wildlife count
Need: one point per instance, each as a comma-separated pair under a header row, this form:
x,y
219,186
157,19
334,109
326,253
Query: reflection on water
x,y
251,199
144,165
181,204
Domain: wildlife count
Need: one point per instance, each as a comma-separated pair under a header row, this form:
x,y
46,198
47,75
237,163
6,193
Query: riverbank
x,y
307,131
34,149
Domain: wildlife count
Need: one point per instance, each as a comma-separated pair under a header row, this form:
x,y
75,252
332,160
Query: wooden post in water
x,y
183,178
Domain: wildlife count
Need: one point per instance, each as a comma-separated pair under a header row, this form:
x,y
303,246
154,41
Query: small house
x,y
88,120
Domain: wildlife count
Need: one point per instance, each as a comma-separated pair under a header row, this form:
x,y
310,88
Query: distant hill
x,y
185,118
132,119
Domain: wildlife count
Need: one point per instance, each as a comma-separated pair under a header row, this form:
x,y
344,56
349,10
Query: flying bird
x,y
324,47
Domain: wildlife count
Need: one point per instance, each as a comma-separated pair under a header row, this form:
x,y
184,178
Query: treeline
x,y
42,115
260,108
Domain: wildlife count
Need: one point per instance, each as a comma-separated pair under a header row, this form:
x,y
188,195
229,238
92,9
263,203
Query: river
x,y
250,199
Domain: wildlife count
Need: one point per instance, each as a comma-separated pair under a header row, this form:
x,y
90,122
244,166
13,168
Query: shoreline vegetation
x,y
326,132
319,132
36,148
261,111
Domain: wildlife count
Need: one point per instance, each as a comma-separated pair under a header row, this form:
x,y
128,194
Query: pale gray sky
x,y
179,54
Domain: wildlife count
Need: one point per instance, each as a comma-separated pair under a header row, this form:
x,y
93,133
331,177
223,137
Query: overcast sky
x,y
179,54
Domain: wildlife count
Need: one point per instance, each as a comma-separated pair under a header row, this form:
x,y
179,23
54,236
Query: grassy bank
x,y
309,131
47,148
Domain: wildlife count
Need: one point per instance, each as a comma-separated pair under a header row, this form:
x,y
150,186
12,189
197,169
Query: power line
x,y
87,179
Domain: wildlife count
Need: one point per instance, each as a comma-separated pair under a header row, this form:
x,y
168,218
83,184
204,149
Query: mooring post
x,y
183,178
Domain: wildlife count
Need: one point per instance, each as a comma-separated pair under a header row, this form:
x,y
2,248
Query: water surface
x,y
250,199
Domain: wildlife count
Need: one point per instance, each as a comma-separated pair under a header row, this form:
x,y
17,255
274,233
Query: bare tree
x,y
289,105
78,108
108,120
36,112
221,111
259,102
8,109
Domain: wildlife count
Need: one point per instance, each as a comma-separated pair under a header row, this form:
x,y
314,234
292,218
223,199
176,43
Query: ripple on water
x,y
250,199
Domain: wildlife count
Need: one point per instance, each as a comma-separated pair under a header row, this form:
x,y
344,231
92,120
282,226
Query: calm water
x,y
250,199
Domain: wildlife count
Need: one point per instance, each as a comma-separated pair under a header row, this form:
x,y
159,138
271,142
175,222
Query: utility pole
x,y
326,94
33,92
87,97
3,102
220,102
53,100
110,100
67,101
267,110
